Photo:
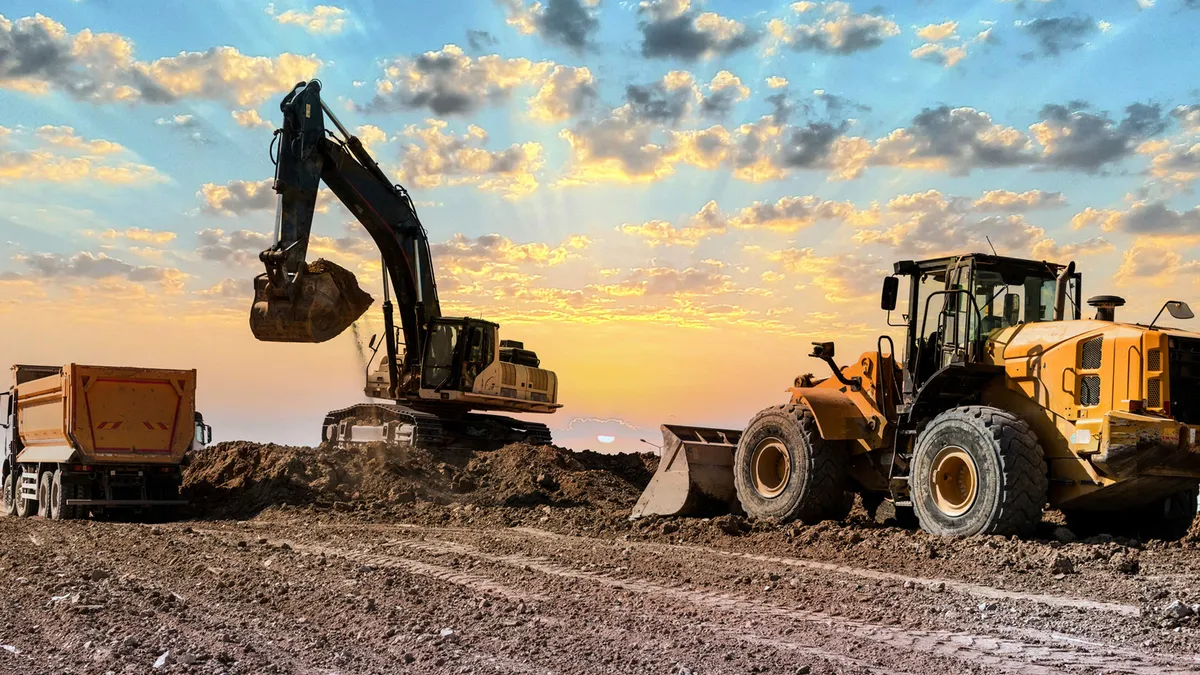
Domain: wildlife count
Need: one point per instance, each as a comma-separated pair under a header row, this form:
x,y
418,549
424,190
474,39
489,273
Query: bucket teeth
x,y
325,302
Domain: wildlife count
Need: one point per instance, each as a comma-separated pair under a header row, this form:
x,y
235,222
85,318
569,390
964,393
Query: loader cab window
x,y
480,351
440,354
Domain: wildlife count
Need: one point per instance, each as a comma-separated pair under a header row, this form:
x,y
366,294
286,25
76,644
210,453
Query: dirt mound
x,y
241,478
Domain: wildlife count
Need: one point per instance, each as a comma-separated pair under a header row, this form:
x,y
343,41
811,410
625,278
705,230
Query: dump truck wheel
x,y
978,470
10,496
44,484
59,494
783,470
1174,518
25,507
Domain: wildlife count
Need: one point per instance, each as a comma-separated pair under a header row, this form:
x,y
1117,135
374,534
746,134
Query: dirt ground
x,y
303,560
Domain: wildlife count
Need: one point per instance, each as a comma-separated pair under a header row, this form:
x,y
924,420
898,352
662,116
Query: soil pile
x,y
242,478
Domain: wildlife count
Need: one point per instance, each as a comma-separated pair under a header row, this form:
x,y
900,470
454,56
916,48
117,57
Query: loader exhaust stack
x,y
321,302
695,473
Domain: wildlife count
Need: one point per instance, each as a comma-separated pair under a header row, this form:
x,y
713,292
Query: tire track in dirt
x,y
998,652
964,587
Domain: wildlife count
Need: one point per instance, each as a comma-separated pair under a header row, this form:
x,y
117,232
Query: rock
x,y
670,528
1178,610
987,606
732,525
908,584
1125,562
163,661
408,658
547,482
370,605
803,670
22,581
448,635
937,587
1065,535
187,660
1061,564
99,574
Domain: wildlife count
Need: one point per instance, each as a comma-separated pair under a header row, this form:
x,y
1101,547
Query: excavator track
x,y
397,424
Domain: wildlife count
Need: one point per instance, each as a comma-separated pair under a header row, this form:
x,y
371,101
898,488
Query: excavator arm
x,y
297,301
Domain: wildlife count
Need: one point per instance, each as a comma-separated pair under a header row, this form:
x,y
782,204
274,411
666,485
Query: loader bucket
x,y
695,473
326,301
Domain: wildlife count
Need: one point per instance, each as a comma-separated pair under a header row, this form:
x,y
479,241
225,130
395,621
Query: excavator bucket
x,y
695,473
326,301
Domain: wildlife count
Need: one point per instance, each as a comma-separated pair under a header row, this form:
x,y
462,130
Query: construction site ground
x,y
303,560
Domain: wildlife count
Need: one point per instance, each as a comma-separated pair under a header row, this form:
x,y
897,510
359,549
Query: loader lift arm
x,y
309,154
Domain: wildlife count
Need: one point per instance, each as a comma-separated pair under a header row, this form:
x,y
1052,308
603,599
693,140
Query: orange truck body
x,y
105,415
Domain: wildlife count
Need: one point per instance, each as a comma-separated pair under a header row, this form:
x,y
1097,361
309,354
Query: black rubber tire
x,y
8,506
44,484
1010,467
26,508
1168,519
815,489
59,494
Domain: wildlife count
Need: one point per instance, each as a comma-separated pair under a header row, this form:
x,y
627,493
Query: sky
x,y
667,200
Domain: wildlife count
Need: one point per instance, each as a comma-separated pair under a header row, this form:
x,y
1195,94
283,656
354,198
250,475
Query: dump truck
x,y
438,376
1004,400
88,439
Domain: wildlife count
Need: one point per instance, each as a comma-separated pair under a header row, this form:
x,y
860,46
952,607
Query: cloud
x,y
1047,249
787,214
1176,163
1188,116
322,20
156,238
777,82
832,29
842,278
40,55
239,247
668,281
937,32
954,140
90,266
237,197
448,82
187,125
725,90
466,254
570,23
436,158
930,222
943,55
674,29
1149,219
1149,264
1056,35
1073,137
229,289
566,92
59,155
479,39
250,119
1013,202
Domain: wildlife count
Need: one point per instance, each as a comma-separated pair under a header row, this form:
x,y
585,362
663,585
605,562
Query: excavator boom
x,y
296,301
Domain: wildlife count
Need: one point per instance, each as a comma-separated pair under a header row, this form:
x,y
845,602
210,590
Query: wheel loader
x,y
1004,401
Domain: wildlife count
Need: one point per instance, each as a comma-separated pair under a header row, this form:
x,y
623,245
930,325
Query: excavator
x,y
437,374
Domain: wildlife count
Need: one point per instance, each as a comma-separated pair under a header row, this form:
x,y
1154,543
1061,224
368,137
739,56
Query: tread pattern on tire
x,y
1022,466
827,467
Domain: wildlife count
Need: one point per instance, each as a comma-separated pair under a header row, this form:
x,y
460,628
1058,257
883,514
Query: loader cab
x,y
955,303
456,352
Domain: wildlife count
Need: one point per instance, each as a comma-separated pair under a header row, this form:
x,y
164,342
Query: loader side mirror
x,y
891,288
1179,309
371,344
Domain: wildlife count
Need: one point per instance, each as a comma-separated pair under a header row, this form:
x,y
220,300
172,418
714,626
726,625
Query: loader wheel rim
x,y
771,467
953,480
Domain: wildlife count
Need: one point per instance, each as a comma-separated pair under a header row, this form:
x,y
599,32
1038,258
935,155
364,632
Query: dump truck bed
x,y
104,414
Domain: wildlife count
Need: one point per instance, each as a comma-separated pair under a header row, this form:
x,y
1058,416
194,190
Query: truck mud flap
x,y
695,473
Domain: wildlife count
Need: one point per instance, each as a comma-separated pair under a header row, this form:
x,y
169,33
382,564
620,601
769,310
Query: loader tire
x,y
783,470
9,507
978,470
45,481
